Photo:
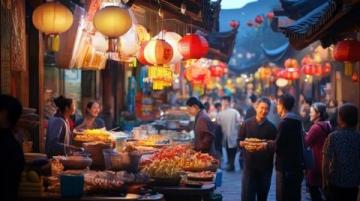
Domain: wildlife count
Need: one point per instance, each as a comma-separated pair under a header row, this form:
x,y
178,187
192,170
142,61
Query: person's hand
x,y
242,143
262,146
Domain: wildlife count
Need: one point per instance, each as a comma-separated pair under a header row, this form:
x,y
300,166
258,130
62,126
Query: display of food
x,y
162,169
252,144
155,141
201,176
90,135
184,158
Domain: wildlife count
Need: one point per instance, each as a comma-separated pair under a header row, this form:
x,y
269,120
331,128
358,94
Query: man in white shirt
x,y
229,120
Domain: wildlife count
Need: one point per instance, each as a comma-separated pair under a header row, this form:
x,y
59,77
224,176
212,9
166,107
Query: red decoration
x,y
259,19
197,75
347,50
193,46
309,69
355,77
234,24
140,55
270,15
218,69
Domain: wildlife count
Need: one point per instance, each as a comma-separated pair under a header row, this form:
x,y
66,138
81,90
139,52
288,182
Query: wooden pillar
x,y
120,94
108,94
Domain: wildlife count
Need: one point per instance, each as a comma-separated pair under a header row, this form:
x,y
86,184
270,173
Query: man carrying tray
x,y
258,158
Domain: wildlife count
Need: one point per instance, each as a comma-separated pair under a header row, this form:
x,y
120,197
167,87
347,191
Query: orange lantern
x,y
193,46
158,52
355,77
265,73
291,63
52,18
112,21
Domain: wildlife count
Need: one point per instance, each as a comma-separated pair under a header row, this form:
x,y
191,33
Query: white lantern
x,y
128,44
281,82
172,38
99,42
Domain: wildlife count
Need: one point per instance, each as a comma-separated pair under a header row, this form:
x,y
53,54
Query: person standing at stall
x,y
229,121
91,118
258,164
11,153
289,163
203,127
341,157
59,135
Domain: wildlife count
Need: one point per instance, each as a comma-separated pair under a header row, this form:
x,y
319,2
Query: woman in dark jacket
x,y
59,134
315,139
203,127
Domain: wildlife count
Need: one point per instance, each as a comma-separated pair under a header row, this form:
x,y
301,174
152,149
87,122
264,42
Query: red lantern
x,y
158,52
234,24
193,46
306,60
347,50
355,77
289,74
270,15
309,69
140,55
327,68
259,19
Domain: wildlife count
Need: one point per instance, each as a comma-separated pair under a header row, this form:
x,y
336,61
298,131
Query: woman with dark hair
x,y
59,135
341,159
315,139
91,118
204,128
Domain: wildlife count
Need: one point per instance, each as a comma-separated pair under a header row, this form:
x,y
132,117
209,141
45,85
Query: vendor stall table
x,y
175,193
55,197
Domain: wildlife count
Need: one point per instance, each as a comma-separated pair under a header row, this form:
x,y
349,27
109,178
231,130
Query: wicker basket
x,y
96,151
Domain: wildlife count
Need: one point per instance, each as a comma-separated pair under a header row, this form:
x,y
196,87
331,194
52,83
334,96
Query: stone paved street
x,y
231,186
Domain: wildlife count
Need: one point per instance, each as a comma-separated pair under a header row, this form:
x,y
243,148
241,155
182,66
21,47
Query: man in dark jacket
x,y
289,152
10,150
258,164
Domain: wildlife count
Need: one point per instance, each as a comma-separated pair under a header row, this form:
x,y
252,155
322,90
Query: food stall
x,y
145,165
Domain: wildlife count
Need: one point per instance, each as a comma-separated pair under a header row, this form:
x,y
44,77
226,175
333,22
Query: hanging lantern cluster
x,y
313,67
347,51
289,74
52,18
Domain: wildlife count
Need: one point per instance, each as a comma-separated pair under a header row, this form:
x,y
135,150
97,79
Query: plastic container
x,y
71,186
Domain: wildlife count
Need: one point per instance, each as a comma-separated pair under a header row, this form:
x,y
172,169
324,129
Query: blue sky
x,y
231,4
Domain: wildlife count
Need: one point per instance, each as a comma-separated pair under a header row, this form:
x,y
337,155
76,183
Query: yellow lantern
x,y
112,21
52,18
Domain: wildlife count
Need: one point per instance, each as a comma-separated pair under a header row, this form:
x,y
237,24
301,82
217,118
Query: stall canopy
x,y
326,20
